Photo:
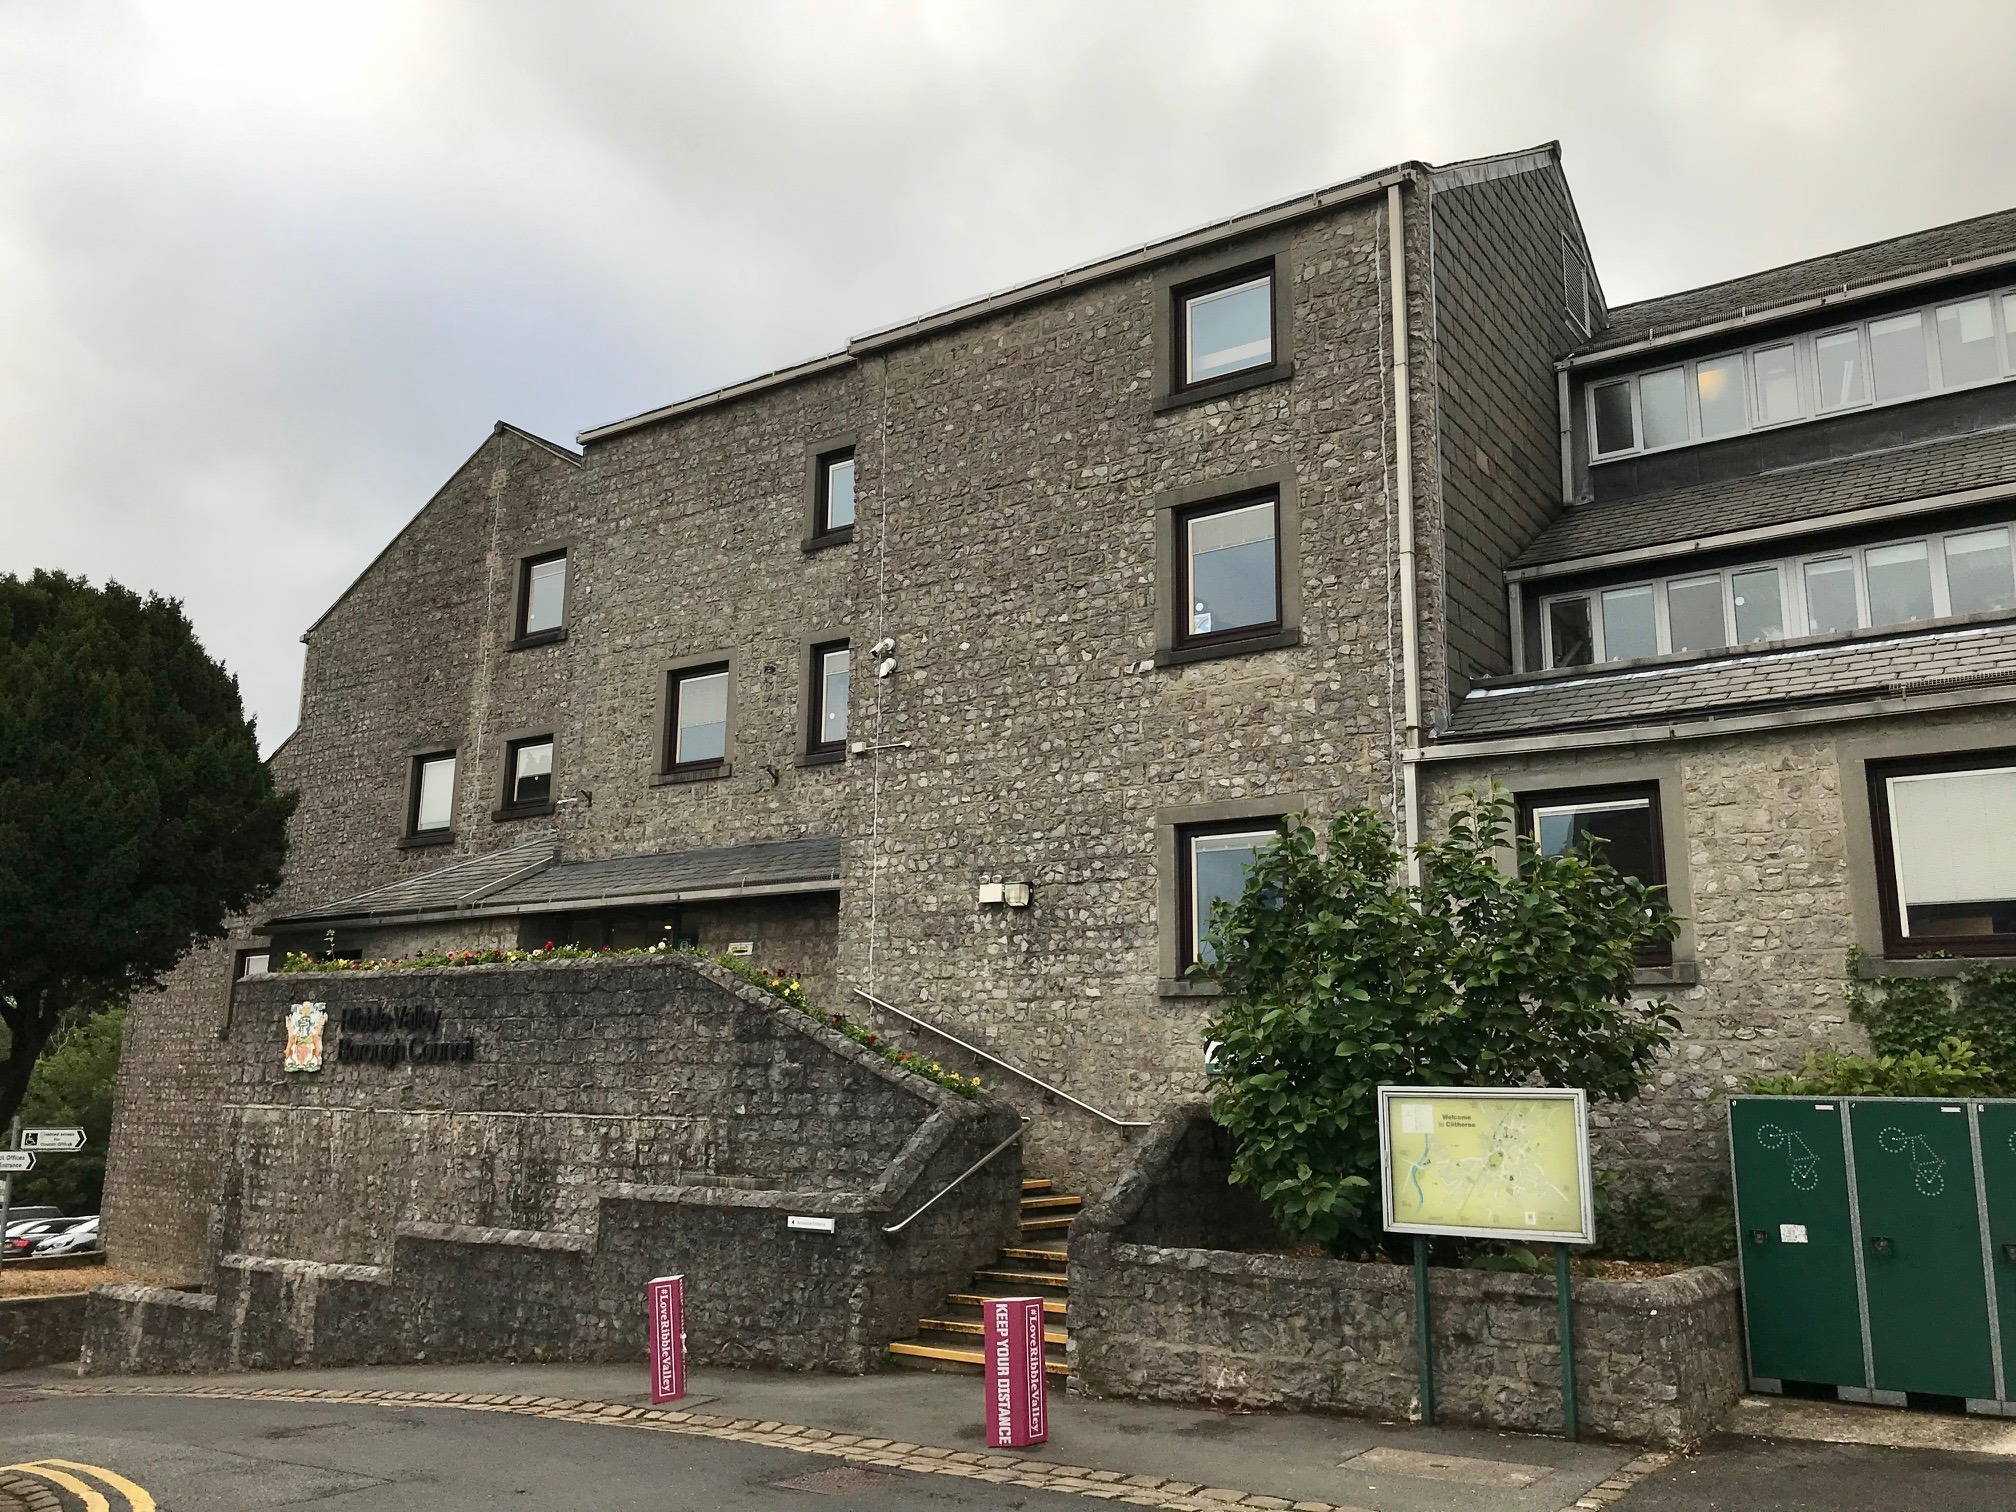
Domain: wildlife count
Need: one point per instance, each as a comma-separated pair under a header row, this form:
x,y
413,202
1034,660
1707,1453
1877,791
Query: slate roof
x,y
445,887
745,867
528,877
1920,251
1883,664
1791,495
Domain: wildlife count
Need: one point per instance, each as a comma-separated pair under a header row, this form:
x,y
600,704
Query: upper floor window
x,y
697,733
543,595
431,806
1225,327
528,776
1885,360
1832,592
1228,566
1619,825
826,732
1214,860
836,491
1946,873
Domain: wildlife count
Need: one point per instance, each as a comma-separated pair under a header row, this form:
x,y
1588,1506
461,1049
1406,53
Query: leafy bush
x,y
1640,1222
1339,977
1917,1015
787,989
1950,1069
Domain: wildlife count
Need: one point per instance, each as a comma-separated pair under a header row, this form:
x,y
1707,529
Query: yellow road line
x,y
93,1502
137,1500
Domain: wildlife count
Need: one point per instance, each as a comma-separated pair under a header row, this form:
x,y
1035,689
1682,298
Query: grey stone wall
x,y
41,1330
619,1120
1157,1318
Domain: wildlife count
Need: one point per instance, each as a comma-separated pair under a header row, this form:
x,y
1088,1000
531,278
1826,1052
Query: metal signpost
x,y
665,1322
19,1158
1488,1163
1017,1404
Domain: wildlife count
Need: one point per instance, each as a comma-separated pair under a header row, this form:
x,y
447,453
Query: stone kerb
x,y
1658,1360
761,1291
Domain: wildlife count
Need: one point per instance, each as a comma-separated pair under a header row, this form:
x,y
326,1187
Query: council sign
x,y
1487,1163
53,1140
14,1162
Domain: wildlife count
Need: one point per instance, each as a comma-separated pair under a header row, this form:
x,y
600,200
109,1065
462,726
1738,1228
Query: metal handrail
x,y
972,1049
897,1228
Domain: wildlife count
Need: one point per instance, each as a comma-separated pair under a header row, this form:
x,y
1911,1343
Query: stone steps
x,y
951,1341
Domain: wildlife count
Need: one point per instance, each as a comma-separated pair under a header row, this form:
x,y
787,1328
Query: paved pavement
x,y
580,1436
568,1437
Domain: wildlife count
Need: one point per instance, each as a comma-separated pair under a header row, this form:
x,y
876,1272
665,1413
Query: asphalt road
x,y
1733,1474
237,1456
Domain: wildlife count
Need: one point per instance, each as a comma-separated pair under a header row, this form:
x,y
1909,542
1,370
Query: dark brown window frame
x,y
675,681
1186,875
817,750
1897,945
1181,385
1180,597
1609,792
521,638
821,532
415,836
506,808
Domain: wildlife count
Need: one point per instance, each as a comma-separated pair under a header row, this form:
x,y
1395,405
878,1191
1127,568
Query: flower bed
x,y
786,989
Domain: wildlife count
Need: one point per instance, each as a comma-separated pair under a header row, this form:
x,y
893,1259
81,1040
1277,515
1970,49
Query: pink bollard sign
x,y
1017,1412
665,1322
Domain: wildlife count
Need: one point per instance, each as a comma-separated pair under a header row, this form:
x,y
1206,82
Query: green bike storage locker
x,y
1877,1240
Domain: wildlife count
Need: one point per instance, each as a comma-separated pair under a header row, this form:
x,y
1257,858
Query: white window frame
x,y
1808,367
1791,572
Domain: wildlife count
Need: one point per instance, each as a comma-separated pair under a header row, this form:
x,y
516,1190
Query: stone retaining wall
x,y
1658,1361
41,1330
661,1116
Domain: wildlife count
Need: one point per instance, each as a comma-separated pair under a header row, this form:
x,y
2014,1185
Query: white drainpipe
x,y
1410,627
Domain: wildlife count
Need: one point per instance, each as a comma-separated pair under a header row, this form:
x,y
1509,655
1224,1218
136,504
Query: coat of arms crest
x,y
304,1036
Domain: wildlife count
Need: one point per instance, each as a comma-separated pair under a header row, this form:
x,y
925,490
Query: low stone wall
x,y
41,1330
1657,1361
664,1117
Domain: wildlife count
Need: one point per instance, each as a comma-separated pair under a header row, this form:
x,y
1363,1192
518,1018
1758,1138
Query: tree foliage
x,y
72,1087
1339,977
135,813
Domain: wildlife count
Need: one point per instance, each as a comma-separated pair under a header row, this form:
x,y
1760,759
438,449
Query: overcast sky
x,y
269,270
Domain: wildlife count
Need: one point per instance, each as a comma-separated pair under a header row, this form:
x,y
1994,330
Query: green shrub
x,y
1339,977
1916,1015
1950,1069
1637,1221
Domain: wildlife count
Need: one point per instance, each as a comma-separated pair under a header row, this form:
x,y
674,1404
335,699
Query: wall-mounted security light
x,y
1015,894
991,892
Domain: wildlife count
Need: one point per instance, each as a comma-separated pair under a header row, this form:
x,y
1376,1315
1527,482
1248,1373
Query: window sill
x,y
840,537
1871,967
1182,656
1673,974
432,837
694,774
1218,388
1183,987
528,811
821,758
537,638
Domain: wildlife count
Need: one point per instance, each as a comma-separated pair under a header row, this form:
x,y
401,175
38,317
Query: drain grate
x,y
841,1480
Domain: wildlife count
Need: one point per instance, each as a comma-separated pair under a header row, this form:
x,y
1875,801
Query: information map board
x,y
1487,1163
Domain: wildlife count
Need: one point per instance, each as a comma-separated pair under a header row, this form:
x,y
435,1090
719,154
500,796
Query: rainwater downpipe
x,y
1403,454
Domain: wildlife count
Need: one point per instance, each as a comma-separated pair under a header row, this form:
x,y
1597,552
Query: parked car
x,y
25,1239
78,1239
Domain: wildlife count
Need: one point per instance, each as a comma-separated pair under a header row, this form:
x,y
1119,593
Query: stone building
x,y
965,667
1768,648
